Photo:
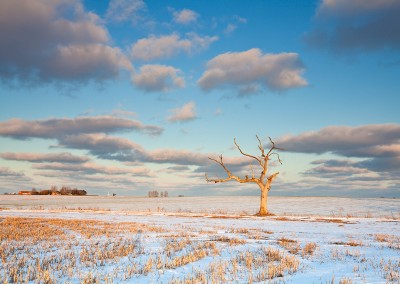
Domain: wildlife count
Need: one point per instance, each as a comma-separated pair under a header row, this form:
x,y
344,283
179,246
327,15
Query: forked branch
x,y
245,154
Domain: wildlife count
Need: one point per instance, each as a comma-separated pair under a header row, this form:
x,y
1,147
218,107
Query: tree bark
x,y
263,202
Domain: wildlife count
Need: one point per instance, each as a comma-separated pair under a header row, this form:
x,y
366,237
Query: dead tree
x,y
264,181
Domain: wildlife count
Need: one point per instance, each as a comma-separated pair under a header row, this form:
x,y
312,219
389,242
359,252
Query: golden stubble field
x,y
56,250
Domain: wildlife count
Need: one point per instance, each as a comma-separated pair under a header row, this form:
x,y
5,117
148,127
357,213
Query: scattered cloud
x,y
335,168
6,172
277,72
91,168
125,10
158,78
169,45
374,140
185,113
67,158
89,61
55,42
103,146
59,127
230,28
123,113
374,151
359,25
185,16
240,19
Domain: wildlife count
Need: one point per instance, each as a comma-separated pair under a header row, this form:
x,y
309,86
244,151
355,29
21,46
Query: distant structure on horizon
x,y
27,192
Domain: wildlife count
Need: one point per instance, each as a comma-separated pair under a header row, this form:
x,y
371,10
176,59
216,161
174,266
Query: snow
x,y
357,240
247,205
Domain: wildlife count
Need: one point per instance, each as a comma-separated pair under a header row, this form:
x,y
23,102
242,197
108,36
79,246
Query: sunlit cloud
x,y
166,46
347,26
158,78
185,113
43,157
125,10
240,70
56,42
59,127
185,16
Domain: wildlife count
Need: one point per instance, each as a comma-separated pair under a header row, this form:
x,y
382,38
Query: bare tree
x,y
264,181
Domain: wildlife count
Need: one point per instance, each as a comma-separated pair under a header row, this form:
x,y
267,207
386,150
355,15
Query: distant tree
x,y
45,192
81,192
264,181
66,190
53,188
165,193
161,194
153,193
34,191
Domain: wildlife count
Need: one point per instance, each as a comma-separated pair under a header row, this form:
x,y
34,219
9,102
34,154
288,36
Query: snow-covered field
x,y
217,240
246,205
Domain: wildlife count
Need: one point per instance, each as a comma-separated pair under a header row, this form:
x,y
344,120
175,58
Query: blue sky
x,y
131,96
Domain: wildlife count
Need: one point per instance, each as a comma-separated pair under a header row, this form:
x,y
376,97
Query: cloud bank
x,y
67,158
59,127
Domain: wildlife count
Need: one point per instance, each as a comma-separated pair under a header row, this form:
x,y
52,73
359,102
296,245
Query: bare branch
x,y
244,154
273,147
260,146
272,177
217,180
230,175
279,158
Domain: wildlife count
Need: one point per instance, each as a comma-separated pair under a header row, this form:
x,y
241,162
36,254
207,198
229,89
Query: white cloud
x,y
185,113
158,78
169,45
185,16
358,141
124,10
48,41
91,168
354,7
377,144
358,25
60,127
249,68
88,61
6,172
230,28
42,157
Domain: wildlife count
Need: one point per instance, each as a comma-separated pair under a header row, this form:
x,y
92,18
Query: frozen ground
x,y
315,242
246,205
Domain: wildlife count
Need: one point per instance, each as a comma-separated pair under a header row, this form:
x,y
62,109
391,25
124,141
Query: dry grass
x,y
309,249
38,250
76,249
291,245
391,241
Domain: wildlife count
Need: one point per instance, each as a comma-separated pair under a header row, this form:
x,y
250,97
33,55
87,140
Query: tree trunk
x,y
263,202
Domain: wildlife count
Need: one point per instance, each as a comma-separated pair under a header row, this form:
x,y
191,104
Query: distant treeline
x,y
64,190
155,193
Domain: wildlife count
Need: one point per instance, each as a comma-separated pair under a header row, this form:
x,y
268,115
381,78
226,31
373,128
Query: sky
x,y
130,96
